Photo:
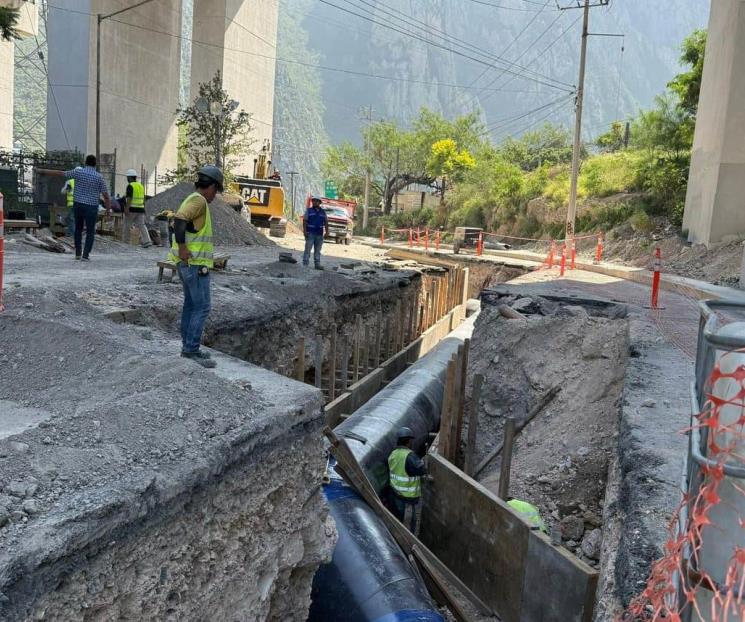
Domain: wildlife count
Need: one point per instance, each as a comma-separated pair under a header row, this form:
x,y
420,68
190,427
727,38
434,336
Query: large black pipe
x,y
369,579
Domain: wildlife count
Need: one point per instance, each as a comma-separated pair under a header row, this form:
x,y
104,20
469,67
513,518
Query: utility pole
x,y
572,211
292,189
100,18
366,114
577,148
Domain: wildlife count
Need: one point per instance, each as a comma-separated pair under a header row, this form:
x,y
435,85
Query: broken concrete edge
x,y
643,491
97,517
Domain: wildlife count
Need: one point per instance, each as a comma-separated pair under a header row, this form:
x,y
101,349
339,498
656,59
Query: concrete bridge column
x,y
239,38
715,203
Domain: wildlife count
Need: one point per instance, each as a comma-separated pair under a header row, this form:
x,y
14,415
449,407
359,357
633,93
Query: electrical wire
x,y
411,21
439,45
501,123
361,74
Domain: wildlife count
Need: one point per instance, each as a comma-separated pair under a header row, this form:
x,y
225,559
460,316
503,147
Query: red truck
x,y
340,215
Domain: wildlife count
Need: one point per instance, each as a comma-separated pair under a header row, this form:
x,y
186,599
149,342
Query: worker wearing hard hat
x,y
134,209
529,512
405,470
192,252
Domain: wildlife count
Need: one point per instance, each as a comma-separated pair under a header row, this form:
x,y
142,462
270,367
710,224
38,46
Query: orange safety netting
x,y
674,587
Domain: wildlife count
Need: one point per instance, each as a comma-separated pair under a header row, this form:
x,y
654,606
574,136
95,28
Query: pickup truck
x,y
340,216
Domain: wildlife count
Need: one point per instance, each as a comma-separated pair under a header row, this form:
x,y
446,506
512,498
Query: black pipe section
x,y
414,400
369,579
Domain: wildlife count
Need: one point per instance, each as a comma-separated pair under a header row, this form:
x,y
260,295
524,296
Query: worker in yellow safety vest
x,y
529,512
69,191
134,209
405,471
192,252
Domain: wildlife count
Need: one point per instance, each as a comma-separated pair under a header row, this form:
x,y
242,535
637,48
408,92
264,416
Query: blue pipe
x,y
369,579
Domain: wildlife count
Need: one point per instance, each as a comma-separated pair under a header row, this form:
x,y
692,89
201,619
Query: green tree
x,y
613,139
8,22
687,85
199,129
550,144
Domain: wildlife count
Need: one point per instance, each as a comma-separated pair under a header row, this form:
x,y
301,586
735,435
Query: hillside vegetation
x,y
521,185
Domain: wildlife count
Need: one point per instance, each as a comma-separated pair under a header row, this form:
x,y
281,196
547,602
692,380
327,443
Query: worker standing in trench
x,y
405,475
192,252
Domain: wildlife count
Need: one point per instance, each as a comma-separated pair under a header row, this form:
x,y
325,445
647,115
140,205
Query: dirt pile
x,y
229,228
561,458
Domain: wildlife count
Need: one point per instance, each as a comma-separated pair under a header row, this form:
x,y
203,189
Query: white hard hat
x,y
131,173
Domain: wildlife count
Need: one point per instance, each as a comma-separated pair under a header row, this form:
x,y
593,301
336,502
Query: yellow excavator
x,y
263,195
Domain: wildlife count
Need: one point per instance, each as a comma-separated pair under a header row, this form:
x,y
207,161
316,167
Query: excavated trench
x,y
563,365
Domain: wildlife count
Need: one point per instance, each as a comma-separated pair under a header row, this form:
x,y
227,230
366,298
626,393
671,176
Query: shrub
x,y
611,173
641,222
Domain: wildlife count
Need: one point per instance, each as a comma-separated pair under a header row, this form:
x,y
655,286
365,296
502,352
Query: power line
x,y
411,21
509,120
438,45
282,60
502,6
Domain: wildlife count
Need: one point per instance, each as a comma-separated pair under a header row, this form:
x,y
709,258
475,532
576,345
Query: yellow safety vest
x,y
70,192
138,197
199,244
528,512
402,483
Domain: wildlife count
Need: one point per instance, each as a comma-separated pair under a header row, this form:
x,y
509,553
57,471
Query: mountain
x,y
544,42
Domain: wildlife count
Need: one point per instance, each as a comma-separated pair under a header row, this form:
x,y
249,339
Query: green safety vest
x,y
199,243
402,483
138,197
70,192
529,512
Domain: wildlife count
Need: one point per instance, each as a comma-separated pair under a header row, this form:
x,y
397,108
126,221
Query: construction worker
x,y
529,512
69,190
192,252
315,225
405,471
89,188
134,209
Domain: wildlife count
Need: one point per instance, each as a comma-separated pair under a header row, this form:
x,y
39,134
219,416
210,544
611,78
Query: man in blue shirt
x,y
315,225
89,188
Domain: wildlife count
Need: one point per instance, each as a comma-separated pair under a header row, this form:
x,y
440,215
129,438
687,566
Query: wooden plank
x,y
378,337
344,363
318,359
460,405
505,468
332,365
300,362
357,344
453,448
446,412
366,351
473,425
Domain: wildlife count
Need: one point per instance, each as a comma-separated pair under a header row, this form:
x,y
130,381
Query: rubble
x,y
561,458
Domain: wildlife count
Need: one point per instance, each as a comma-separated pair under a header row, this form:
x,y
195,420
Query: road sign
x,y
330,190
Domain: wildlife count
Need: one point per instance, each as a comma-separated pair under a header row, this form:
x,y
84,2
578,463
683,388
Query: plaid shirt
x,y
89,185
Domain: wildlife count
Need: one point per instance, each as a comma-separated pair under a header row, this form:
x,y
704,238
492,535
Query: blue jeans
x,y
314,241
196,306
399,511
87,214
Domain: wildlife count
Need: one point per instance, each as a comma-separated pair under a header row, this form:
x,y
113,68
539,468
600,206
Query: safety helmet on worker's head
x,y
131,173
211,173
314,199
404,434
